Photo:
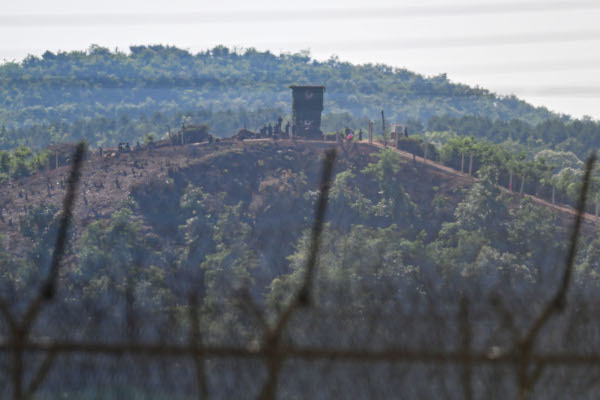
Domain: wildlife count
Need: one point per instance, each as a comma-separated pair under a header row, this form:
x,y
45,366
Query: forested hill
x,y
105,96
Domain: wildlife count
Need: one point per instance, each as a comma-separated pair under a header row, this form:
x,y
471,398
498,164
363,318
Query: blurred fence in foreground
x,y
474,348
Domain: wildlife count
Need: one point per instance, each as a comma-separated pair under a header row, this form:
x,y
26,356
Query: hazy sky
x,y
545,52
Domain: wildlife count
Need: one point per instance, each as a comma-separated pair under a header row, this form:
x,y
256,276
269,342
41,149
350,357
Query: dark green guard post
x,y
307,105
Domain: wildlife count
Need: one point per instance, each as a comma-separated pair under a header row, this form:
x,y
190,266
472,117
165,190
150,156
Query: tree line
x,y
72,87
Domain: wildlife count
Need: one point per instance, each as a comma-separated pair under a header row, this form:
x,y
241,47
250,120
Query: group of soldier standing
x,y
278,130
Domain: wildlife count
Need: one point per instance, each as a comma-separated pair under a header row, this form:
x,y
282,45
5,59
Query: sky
x,y
545,52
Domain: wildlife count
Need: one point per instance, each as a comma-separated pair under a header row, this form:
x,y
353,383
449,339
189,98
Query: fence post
x,y
383,127
371,131
465,334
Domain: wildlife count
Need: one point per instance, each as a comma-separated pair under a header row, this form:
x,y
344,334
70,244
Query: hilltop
x,y
271,184
273,181
105,97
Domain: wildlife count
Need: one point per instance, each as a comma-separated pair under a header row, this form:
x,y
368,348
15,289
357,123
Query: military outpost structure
x,y
307,105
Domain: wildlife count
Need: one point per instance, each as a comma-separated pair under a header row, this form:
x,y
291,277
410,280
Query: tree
x,y
113,253
394,202
355,268
535,235
484,208
198,235
41,226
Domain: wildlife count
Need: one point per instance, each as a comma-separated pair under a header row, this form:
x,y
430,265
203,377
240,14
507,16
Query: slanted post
x,y
383,127
56,159
371,126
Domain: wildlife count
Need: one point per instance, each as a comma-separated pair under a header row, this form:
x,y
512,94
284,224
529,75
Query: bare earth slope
x,y
242,168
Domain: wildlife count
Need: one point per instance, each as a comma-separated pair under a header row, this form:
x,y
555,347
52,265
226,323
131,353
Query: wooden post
x,y
425,151
510,181
371,126
397,136
171,139
471,164
522,185
56,159
462,162
383,126
554,189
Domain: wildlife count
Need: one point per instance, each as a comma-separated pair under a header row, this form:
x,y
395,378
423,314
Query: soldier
x,y
360,135
405,131
347,132
277,129
270,130
287,129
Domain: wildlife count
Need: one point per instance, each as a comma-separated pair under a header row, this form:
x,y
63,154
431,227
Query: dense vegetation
x,y
398,245
576,136
548,174
107,97
393,240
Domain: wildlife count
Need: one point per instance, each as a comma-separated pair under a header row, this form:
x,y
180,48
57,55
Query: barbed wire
x,y
273,350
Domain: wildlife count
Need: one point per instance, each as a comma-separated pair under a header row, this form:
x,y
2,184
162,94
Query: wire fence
x,y
463,345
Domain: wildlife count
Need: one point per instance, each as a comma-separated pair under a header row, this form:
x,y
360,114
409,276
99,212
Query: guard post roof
x,y
308,87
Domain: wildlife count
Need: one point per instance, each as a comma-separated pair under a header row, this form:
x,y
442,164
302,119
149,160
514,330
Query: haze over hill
x,y
227,88
106,97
